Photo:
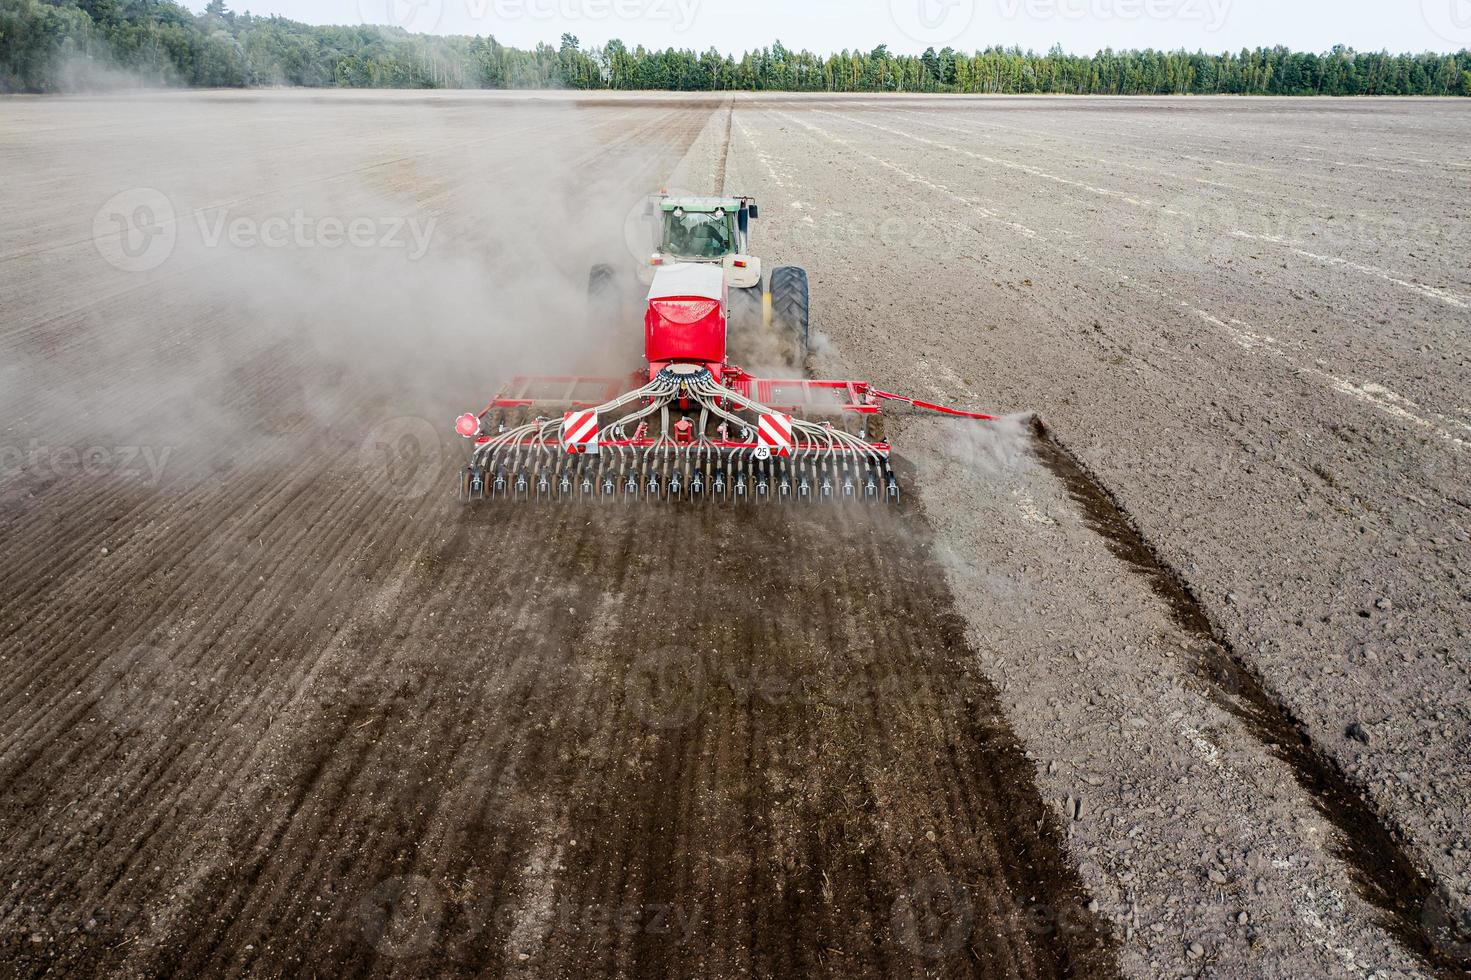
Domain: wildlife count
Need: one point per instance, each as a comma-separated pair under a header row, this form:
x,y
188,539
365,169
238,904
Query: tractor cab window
x,y
695,235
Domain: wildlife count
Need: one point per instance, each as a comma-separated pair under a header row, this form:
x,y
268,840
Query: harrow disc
x,y
684,437
725,478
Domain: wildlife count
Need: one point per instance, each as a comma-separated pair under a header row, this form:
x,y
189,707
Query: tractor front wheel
x,y
791,312
745,310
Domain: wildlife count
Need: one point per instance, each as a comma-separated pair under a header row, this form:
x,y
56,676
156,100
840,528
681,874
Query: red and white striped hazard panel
x,y
774,434
580,432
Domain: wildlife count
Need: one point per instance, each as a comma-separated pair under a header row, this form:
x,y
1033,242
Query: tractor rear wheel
x,y
791,311
605,300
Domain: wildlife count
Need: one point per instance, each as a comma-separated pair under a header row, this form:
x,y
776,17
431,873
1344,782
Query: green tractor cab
x,y
707,229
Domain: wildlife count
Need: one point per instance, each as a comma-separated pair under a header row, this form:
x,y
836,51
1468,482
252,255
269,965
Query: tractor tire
x,y
605,299
791,312
746,314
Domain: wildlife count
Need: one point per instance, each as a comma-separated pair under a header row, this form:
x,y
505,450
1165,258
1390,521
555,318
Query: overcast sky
x,y
911,25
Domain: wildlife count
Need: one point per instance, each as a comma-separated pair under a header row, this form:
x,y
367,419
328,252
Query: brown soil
x,y
606,740
1180,690
292,710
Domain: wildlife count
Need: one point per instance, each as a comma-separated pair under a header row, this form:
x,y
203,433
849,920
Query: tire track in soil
x,y
1413,909
719,182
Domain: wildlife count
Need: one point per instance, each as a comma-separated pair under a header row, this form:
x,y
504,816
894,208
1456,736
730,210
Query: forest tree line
x,y
59,45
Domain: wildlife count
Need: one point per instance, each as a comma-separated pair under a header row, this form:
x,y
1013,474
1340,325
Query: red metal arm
x,y
930,407
795,395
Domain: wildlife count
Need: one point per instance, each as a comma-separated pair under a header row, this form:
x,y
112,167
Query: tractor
x,y
690,424
716,231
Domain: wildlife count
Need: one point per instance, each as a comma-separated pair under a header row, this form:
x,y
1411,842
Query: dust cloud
x,y
990,449
976,471
96,73
219,269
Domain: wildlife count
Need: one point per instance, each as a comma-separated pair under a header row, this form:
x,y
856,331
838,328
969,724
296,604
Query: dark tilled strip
x,y
1416,912
830,697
